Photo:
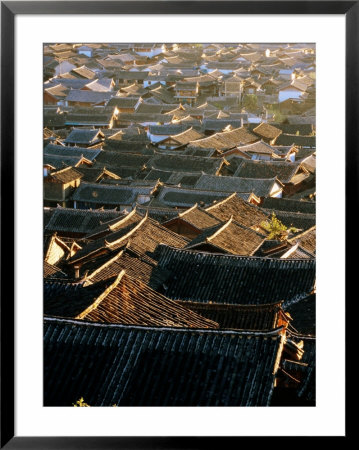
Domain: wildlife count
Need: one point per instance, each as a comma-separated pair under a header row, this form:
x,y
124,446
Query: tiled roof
x,y
107,194
226,139
229,237
92,175
197,217
257,147
186,136
267,131
293,219
293,139
70,220
144,118
185,163
287,204
129,301
303,315
240,317
242,212
283,170
143,366
307,240
184,179
166,130
260,187
64,175
205,277
60,150
59,162
84,72
53,272
136,265
143,233
123,102
113,159
78,95
185,198
83,136
302,128
59,91
203,152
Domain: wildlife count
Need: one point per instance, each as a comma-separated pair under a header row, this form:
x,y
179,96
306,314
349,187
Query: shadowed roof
x,y
143,366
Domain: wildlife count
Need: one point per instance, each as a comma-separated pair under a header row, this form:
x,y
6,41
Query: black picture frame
x,y
8,12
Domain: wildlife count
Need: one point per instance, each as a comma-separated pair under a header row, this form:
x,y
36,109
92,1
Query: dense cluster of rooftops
x,y
167,168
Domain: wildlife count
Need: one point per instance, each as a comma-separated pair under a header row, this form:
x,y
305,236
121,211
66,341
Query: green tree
x,y
275,228
250,102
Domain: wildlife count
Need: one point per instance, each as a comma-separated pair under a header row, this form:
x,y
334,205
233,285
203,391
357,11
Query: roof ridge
x,y
223,227
275,332
127,235
109,262
188,210
104,294
124,219
221,202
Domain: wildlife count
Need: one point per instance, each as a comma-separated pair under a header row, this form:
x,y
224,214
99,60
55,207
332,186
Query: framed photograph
x,y
173,247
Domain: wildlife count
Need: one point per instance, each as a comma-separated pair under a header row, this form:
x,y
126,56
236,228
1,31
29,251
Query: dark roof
x,y
60,162
144,118
53,272
108,194
185,198
64,176
292,219
287,204
260,187
240,317
86,96
185,163
118,159
184,179
220,124
283,170
53,119
123,102
242,212
67,299
303,315
60,150
205,277
129,145
68,220
167,130
88,118
83,136
304,129
92,175
293,139
203,152
229,237
143,366
155,174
